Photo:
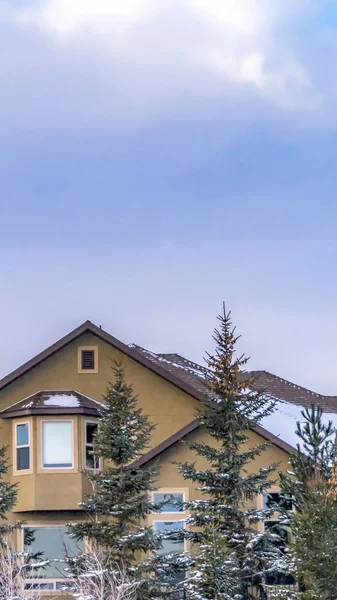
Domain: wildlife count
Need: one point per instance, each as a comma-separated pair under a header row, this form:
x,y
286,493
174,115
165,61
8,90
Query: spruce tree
x,y
17,565
229,554
311,483
116,512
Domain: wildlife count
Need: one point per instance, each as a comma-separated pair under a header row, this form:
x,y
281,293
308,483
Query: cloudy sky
x,y
157,158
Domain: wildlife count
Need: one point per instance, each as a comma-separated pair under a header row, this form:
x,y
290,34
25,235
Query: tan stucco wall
x,y
47,497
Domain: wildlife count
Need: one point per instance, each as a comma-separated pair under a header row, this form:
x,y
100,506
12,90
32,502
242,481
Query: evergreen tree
x,y
229,554
117,511
14,565
311,483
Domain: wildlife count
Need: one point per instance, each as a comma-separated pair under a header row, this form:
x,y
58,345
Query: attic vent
x,y
88,360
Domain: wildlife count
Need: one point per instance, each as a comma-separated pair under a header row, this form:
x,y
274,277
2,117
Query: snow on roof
x,y
62,400
282,422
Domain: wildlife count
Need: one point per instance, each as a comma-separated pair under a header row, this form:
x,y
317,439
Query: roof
x,y
132,352
187,376
193,426
290,398
53,402
195,375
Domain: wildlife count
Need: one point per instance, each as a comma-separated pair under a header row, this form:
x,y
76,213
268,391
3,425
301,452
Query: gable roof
x,y
53,402
195,376
130,351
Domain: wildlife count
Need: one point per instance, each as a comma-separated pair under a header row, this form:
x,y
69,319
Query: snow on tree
x,y
117,510
15,566
311,484
96,582
231,552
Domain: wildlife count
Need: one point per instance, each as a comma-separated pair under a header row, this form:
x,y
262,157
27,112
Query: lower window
x,y
278,577
55,544
172,543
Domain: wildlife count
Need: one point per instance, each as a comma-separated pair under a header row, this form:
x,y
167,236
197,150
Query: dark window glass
x,y
91,430
279,499
22,458
55,544
90,461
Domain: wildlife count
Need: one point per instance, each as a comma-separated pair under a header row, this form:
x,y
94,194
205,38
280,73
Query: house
x,y
49,411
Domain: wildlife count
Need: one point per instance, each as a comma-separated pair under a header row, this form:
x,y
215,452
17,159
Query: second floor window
x,y
57,445
22,447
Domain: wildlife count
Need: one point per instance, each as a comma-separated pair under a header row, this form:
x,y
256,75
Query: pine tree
x,y
117,511
14,565
229,553
311,483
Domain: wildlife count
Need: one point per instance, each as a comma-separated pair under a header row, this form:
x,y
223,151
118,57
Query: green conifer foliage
x,y
117,510
230,553
312,554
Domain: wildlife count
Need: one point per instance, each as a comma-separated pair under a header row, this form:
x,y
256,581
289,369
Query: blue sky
x,y
159,158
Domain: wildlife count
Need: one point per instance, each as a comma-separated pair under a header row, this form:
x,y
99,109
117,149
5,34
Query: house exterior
x,y
49,410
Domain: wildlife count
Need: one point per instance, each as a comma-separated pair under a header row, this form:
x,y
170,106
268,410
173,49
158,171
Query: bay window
x,y
57,445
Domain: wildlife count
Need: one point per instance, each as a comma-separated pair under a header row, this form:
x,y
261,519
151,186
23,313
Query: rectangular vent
x,y
88,360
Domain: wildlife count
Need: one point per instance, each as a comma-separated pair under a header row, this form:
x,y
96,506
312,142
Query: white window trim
x,y
99,468
29,445
72,468
169,491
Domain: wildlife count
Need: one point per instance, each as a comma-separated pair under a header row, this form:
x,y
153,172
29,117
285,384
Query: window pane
x,y
91,429
170,545
22,458
90,461
57,444
173,502
55,544
22,434
278,499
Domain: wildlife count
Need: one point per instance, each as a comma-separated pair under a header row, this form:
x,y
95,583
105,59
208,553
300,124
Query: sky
x,y
159,158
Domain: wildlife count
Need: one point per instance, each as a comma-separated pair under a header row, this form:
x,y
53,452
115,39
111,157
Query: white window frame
x,y
170,491
72,468
99,468
42,580
16,447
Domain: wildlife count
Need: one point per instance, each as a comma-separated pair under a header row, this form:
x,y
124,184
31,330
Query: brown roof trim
x,y
105,336
179,435
57,410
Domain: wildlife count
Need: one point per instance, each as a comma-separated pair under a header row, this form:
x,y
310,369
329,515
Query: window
x,y
22,446
54,544
278,499
90,461
57,445
87,359
172,543
169,502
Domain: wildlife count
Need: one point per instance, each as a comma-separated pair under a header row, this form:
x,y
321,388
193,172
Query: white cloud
x,y
141,58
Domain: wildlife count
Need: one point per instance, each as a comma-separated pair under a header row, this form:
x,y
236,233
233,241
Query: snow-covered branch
x,y
96,582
